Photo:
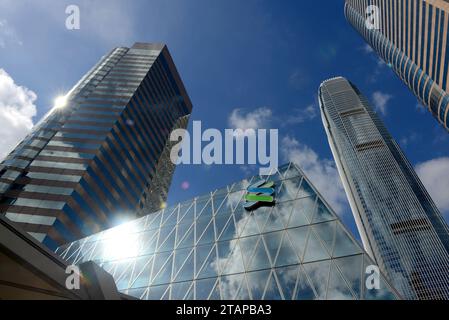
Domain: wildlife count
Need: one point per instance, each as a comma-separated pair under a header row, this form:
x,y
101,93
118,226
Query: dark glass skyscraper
x,y
412,39
399,224
101,152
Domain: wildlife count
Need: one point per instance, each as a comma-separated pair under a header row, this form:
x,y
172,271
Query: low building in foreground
x,y
211,247
30,271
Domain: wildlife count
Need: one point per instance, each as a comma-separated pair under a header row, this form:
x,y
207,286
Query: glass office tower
x,y
211,247
399,224
412,39
98,154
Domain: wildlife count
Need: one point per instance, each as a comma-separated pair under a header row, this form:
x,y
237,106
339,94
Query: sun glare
x,y
60,102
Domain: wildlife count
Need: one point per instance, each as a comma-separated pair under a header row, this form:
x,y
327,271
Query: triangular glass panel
x,y
157,292
234,263
287,191
283,169
318,273
181,232
204,209
201,225
204,288
210,265
314,249
337,287
305,190
306,206
190,293
261,216
291,172
273,241
284,210
180,257
225,250
188,216
344,245
260,258
234,199
220,223
154,221
142,272
243,293
164,274
287,280
304,290
179,290
352,269
274,222
170,216
287,254
272,290
297,217
186,272
218,200
230,286
215,293
202,252
188,240
148,241
298,238
160,260
247,246
169,243
229,231
326,232
322,213
166,295
123,275
251,227
256,282
208,236
137,293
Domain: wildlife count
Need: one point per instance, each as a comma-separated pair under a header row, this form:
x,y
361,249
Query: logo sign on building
x,y
259,194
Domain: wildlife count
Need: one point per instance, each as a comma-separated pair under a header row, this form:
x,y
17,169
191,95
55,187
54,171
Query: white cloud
x,y
434,176
257,119
16,112
367,49
298,79
420,108
380,101
301,115
8,34
322,172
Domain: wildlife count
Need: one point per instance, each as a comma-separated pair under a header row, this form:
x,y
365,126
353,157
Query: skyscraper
x,y
412,37
213,247
399,224
101,151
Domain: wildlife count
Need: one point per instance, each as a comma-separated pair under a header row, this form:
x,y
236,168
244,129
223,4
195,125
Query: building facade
x,y
412,37
399,224
96,157
212,247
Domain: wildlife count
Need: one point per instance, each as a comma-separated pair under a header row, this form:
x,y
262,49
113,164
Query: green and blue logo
x,y
259,194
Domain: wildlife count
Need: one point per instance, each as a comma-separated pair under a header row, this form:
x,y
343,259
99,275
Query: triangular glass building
x,y
211,247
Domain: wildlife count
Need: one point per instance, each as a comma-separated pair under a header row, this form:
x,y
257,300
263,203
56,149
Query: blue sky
x,y
247,60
